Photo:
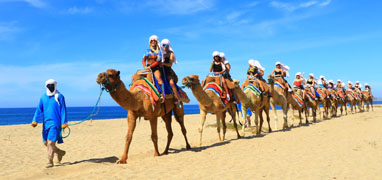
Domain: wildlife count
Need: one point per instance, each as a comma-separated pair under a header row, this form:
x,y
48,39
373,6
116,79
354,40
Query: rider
x,y
323,84
358,85
218,67
226,74
299,83
368,89
167,61
350,86
281,71
153,57
256,72
311,83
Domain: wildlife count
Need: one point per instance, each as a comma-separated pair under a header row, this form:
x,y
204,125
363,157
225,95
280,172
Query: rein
x,y
113,87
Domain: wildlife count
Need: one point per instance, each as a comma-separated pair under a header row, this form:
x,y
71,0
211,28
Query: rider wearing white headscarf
x,y
281,71
256,72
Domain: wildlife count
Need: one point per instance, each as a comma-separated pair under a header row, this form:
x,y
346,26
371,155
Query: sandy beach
x,y
347,147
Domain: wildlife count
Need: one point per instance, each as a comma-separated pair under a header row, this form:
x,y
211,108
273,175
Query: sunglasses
x,y
165,45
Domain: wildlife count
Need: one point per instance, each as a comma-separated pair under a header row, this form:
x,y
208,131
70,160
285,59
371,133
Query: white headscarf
x,y
322,77
166,41
284,67
55,91
256,63
155,38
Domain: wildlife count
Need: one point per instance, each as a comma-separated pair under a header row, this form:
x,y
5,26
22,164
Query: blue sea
x,y
12,116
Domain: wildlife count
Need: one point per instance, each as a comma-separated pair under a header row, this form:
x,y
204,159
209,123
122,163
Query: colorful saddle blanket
x,y
148,88
322,92
212,86
351,93
298,98
253,89
310,95
280,85
340,94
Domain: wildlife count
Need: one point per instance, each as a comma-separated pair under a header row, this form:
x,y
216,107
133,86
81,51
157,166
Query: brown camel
x,y
311,103
352,101
256,103
341,99
333,100
210,102
368,99
325,101
296,106
139,104
278,98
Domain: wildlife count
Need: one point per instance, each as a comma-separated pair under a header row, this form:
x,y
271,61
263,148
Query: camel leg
x,y
268,119
261,122
275,112
291,107
203,114
306,116
154,134
244,113
131,122
232,112
371,102
285,115
299,115
223,123
179,117
167,119
218,119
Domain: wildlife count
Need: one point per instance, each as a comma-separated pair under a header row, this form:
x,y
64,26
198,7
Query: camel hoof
x,y
156,154
164,153
270,130
121,161
238,136
188,147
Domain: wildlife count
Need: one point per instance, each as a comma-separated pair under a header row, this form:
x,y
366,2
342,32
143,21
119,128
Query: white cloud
x,y
7,30
181,7
34,3
77,10
293,7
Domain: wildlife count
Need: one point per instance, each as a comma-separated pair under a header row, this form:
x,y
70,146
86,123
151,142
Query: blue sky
x,y
72,41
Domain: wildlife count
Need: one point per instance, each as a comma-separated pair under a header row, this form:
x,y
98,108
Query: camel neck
x,y
201,95
243,98
124,97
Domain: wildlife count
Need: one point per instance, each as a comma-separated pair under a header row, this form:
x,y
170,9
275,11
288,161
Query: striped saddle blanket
x,y
253,89
298,98
214,87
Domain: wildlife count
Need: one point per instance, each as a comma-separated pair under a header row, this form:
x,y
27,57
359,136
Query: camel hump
x,y
142,74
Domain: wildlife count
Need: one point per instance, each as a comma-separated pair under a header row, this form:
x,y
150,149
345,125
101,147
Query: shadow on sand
x,y
111,159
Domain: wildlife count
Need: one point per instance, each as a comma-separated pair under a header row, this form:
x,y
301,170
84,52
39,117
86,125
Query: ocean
x,y
13,116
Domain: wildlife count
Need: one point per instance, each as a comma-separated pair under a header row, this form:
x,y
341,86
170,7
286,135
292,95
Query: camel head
x,y
236,82
109,79
190,80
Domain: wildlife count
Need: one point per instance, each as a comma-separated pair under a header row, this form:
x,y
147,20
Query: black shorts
x,y
153,69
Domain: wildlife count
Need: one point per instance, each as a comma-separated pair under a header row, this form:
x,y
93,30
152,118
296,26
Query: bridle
x,y
190,82
113,87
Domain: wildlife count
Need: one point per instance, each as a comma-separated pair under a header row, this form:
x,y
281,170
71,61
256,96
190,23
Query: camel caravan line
x,y
154,93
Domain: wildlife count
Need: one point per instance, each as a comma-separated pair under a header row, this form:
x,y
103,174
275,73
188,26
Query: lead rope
x,y
94,112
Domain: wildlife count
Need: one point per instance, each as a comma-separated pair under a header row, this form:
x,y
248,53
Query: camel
x,y
138,104
256,103
325,101
312,103
333,100
278,98
341,99
368,99
352,101
294,105
210,102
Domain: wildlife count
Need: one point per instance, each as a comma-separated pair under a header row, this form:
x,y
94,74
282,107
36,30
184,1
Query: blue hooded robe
x,y
52,113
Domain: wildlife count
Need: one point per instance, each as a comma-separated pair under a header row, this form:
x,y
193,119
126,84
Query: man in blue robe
x,y
51,111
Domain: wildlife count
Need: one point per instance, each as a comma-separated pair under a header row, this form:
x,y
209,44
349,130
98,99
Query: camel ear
x,y
197,76
118,72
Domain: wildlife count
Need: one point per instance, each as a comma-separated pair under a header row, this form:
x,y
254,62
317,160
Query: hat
x,y
154,37
357,82
366,84
298,74
339,80
165,41
322,77
278,63
215,53
251,62
221,54
349,82
311,74
331,81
